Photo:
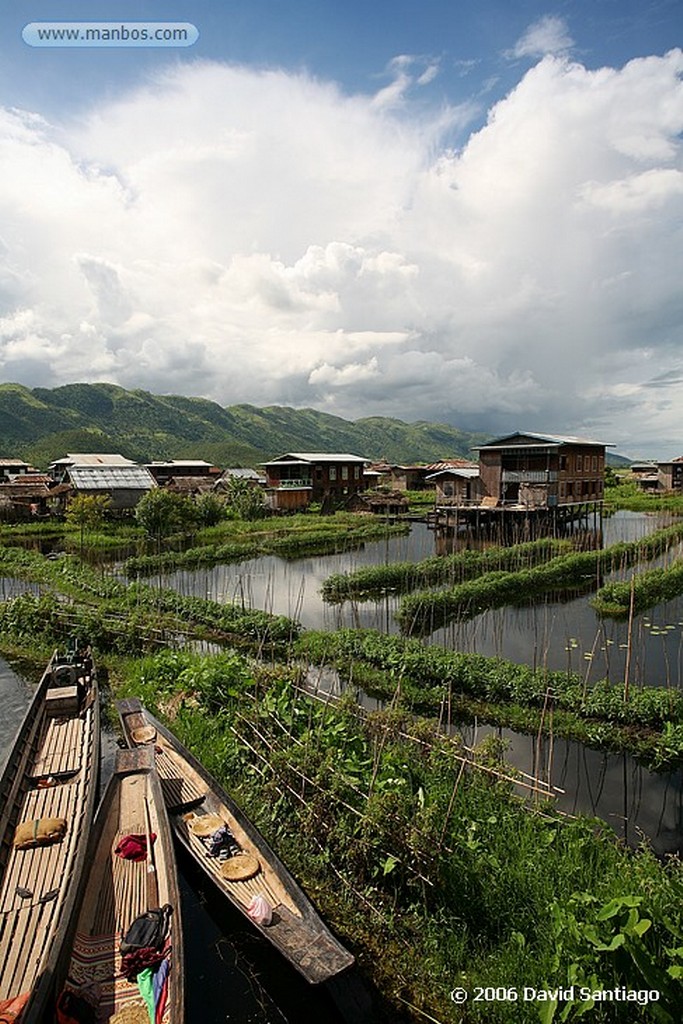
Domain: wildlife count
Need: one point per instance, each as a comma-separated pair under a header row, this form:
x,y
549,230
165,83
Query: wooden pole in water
x,y
629,637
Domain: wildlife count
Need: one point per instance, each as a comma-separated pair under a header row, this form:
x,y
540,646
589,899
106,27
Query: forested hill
x,y
41,424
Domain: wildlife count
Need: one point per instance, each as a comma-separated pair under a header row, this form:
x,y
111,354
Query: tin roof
x,y
314,457
93,459
466,472
95,478
541,441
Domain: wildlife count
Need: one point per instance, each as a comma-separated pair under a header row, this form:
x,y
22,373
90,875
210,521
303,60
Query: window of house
x,y
345,472
448,489
356,472
579,463
594,463
333,472
563,463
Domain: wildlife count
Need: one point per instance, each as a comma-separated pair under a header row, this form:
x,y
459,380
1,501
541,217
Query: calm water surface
x,y
562,634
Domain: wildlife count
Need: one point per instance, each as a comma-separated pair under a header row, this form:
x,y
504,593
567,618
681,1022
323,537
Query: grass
x,y
644,590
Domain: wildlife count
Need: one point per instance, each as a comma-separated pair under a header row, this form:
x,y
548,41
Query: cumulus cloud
x,y
261,236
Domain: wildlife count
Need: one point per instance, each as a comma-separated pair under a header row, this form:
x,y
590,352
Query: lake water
x,y
564,634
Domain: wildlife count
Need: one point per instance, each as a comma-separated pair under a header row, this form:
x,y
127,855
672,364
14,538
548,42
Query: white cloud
x,y
260,236
548,35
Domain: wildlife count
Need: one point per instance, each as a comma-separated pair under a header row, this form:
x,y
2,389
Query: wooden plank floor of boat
x,y
27,922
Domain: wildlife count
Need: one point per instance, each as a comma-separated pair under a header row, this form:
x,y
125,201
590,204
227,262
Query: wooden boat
x,y
51,773
197,806
117,889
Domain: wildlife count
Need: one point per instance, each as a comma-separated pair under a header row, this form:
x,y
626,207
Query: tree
x,y
245,499
161,513
209,509
87,511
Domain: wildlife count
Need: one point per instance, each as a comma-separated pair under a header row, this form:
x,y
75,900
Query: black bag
x,y
147,931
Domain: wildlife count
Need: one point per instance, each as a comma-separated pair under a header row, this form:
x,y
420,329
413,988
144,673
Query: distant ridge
x,y
41,424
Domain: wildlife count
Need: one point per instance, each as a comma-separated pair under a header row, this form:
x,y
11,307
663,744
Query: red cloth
x,y
134,847
10,1009
134,962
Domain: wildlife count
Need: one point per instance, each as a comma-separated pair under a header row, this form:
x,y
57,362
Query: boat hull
x,y
117,889
51,773
192,794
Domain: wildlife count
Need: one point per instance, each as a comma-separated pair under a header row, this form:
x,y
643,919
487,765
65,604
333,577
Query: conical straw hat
x,y
240,867
144,734
205,824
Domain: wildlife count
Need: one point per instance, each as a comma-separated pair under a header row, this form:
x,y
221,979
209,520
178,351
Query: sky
x,y
470,214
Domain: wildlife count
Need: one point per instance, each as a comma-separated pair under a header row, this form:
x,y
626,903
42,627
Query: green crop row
x,y
644,590
428,610
373,581
427,673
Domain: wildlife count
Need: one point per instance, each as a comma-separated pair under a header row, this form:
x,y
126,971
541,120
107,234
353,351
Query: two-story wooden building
x,y
295,479
670,474
542,470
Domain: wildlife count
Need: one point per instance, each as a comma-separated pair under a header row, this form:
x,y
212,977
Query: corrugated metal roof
x,y
242,474
544,439
466,472
95,478
316,457
93,459
179,463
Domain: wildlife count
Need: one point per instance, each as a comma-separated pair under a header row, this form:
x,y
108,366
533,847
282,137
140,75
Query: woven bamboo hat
x,y
144,734
204,824
240,867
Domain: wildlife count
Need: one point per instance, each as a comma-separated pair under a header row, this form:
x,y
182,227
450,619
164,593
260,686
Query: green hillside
x,y
42,424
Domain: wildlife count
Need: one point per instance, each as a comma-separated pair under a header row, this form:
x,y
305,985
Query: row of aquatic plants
x,y
291,544
437,878
428,610
644,590
373,581
647,722
71,577
626,494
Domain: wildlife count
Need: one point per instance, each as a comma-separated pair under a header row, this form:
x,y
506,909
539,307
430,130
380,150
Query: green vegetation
x,y
40,424
432,871
428,610
373,581
646,722
623,493
123,618
644,590
300,537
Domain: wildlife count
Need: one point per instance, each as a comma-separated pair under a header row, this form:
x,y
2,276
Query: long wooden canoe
x,y
117,889
193,798
51,773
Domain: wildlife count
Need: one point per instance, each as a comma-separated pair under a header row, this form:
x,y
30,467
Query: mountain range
x,y
42,424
